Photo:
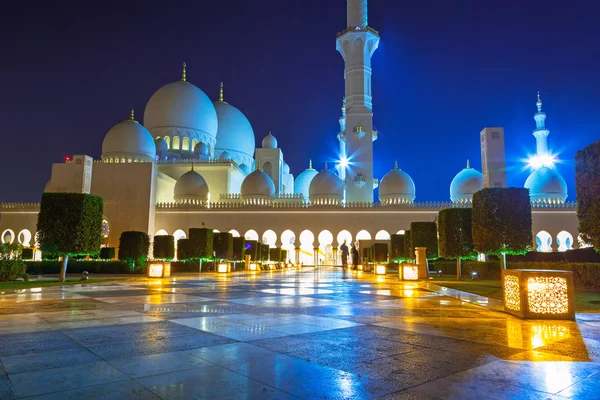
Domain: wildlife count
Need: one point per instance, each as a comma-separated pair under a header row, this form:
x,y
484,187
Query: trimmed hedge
x,y
201,243
239,247
275,254
455,228
107,253
27,254
397,247
183,249
264,252
133,247
424,234
77,267
164,247
185,266
409,252
70,223
223,245
587,188
252,250
502,221
379,252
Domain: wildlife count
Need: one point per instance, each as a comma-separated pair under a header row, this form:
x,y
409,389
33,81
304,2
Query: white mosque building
x,y
194,161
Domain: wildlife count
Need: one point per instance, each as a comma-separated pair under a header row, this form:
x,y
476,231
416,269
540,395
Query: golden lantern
x,y
159,269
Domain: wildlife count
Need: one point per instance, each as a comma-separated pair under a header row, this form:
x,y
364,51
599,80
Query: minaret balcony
x,y
359,131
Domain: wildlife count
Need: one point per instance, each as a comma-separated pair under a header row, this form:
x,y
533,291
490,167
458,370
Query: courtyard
x,y
286,334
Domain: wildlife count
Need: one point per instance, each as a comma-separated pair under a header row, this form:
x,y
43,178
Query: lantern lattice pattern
x,y
548,295
512,296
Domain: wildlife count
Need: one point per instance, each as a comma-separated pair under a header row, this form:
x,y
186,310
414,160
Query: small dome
x,y
465,184
546,185
201,149
326,186
257,185
302,182
235,132
286,168
161,146
181,105
396,187
269,142
245,168
224,156
191,187
129,139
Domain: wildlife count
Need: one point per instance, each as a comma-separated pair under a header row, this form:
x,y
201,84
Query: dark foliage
x,y
164,247
239,248
133,247
424,234
107,253
397,247
223,245
455,229
587,188
201,243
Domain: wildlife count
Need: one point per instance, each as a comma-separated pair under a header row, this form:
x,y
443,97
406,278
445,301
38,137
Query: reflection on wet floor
x,y
292,333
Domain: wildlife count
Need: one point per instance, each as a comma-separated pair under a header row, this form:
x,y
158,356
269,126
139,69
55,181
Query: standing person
x,y
345,252
355,256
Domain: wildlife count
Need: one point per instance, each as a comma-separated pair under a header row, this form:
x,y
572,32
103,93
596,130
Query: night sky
x,y
443,71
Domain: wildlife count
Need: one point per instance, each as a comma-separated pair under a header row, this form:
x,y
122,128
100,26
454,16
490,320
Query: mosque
x,y
194,162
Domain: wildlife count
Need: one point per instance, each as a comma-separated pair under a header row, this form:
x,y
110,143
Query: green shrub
x,y
284,255
11,270
379,252
133,248
397,247
107,253
77,267
223,245
164,247
183,249
27,254
587,188
409,252
424,234
455,233
253,250
201,243
184,266
275,254
239,248
502,221
264,252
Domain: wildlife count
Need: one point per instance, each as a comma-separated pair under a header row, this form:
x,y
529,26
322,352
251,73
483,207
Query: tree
x,y
164,247
408,250
201,243
223,245
424,234
133,247
502,221
107,253
587,188
70,224
397,247
455,230
183,249
239,246
12,265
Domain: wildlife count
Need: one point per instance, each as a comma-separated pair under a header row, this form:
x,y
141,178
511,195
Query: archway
x,y
179,234
344,236
307,239
24,238
161,232
565,241
234,233
363,235
401,232
270,238
8,236
288,242
544,242
325,239
382,235
251,235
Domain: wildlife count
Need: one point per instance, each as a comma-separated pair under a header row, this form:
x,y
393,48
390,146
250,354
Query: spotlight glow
x,y
344,162
537,162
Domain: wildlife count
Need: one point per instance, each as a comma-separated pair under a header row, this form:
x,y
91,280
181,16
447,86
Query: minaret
x,y
356,44
540,132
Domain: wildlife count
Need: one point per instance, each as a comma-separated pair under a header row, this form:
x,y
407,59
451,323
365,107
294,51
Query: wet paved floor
x,y
285,335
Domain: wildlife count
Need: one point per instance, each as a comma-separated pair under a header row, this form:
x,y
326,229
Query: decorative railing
x,y
357,29
20,206
195,161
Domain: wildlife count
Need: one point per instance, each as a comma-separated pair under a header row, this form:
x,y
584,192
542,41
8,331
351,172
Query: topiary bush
x,y
77,267
424,234
587,188
455,233
107,253
252,250
183,249
380,252
133,248
239,248
201,243
409,252
223,245
27,254
397,247
275,254
164,247
264,252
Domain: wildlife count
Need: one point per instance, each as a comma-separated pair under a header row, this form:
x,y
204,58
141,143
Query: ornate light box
x,y
253,267
380,269
223,268
539,294
159,269
409,272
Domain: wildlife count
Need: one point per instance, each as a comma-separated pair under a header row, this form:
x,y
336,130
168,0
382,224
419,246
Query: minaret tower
x,y
540,132
356,44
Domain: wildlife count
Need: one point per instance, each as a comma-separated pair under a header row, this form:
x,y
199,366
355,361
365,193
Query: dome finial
x,y
468,163
539,102
132,115
310,164
183,73
221,94
326,166
396,164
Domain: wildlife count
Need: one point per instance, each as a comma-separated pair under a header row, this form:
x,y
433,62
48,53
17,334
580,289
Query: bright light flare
x,y
537,162
344,162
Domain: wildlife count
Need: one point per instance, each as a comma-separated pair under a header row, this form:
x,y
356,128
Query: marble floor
x,y
286,335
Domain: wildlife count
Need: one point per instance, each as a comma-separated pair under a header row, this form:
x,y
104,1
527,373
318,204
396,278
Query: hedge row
x,y
584,274
77,267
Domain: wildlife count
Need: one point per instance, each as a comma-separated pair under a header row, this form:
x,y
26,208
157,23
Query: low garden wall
x,y
77,267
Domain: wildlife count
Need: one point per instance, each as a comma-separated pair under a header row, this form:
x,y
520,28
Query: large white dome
x,y
129,140
257,185
326,187
235,133
465,184
396,187
546,185
191,187
302,182
181,105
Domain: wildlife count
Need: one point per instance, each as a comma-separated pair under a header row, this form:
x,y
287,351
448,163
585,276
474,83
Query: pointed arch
x,y
175,142
382,235
185,144
234,233
544,242
363,235
251,235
